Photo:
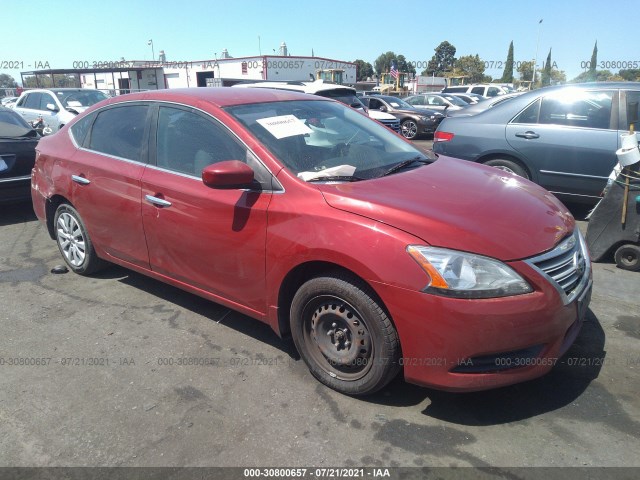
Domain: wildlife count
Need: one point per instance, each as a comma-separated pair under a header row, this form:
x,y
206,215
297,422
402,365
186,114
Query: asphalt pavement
x,y
121,370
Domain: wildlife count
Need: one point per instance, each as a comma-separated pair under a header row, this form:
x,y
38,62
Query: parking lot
x,y
121,370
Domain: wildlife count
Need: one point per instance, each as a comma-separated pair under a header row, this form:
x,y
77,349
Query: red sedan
x,y
307,215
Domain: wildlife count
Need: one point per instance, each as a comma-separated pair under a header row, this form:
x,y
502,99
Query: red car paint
x,y
239,248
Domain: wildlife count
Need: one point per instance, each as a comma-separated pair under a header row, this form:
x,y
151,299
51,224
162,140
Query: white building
x,y
122,76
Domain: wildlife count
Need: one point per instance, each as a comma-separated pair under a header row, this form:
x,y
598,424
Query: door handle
x,y
528,135
158,202
80,180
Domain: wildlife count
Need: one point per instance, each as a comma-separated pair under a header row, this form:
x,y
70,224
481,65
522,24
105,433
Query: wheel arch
x,y
50,208
303,272
507,156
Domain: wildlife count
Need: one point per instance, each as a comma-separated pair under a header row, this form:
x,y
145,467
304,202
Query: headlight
x,y
465,275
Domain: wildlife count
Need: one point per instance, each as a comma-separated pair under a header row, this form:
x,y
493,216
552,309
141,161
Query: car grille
x,y
392,124
567,266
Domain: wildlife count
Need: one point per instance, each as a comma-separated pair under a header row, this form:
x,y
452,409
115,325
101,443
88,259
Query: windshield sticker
x,y
74,103
284,126
395,104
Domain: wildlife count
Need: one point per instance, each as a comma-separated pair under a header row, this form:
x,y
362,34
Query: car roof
x,y
306,87
217,96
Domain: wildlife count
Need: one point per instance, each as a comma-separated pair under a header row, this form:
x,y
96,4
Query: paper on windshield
x,y
339,171
74,103
284,126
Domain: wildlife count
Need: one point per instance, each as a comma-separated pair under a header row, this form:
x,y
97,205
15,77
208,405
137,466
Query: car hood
x,y
460,205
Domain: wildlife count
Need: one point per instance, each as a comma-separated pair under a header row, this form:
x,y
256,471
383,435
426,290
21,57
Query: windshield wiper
x,y
336,178
406,163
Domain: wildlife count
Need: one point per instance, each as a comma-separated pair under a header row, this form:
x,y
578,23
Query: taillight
x,y
442,136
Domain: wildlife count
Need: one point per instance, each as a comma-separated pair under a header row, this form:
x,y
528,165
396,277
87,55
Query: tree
x,y
630,75
597,76
383,63
546,72
507,75
403,66
593,64
364,70
525,69
442,61
470,66
557,76
7,81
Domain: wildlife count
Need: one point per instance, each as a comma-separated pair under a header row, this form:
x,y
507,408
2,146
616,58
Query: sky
x,y
61,34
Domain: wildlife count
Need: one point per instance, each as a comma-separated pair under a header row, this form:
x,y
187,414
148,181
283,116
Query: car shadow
x,y
211,310
566,382
561,387
17,213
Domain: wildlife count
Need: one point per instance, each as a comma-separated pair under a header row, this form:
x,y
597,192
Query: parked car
x,y
304,214
563,138
18,142
486,90
485,104
56,106
343,94
9,102
440,102
413,121
469,98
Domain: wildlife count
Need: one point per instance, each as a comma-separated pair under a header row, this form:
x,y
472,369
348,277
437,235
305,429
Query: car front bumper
x,y
470,345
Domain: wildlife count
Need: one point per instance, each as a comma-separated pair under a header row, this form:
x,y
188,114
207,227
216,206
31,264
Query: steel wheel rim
x,y
71,239
337,338
409,129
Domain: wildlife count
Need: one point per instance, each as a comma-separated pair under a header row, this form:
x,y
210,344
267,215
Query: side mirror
x,y
52,107
382,108
228,174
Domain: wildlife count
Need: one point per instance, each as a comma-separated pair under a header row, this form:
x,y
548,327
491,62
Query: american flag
x,y
394,70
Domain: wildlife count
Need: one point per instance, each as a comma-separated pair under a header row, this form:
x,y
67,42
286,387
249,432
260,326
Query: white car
x,y
341,93
56,106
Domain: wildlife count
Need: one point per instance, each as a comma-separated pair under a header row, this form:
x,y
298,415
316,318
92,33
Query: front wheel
x,y
508,166
343,335
409,129
628,257
74,242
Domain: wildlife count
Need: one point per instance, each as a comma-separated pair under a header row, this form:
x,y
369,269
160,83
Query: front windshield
x,y
80,98
320,139
398,103
456,101
343,95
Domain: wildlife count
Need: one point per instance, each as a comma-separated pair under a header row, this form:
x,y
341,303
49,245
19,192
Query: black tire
x,y
409,129
508,166
74,242
628,257
343,335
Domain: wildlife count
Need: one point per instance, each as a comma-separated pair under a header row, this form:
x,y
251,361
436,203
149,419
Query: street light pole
x,y
535,59
153,53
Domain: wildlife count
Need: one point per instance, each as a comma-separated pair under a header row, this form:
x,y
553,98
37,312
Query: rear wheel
x,y
508,166
343,335
628,257
74,242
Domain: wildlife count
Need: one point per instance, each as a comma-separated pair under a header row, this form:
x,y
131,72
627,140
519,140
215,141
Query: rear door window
x,y
578,109
120,131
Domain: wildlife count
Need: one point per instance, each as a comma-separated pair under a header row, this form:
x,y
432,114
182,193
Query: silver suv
x,y
56,106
